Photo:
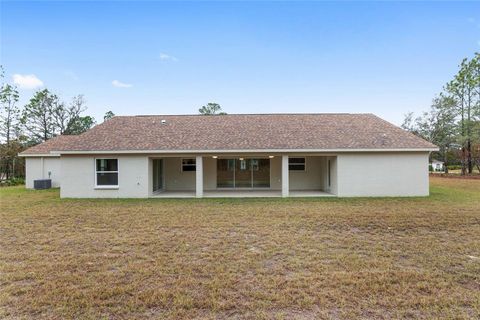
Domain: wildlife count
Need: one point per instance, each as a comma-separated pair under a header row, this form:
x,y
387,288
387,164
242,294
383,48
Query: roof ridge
x,y
250,114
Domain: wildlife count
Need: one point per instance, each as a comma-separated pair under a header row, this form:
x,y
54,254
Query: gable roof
x,y
244,132
53,144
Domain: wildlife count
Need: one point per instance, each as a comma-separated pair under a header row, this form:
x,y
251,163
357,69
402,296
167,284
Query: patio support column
x,y
285,183
199,177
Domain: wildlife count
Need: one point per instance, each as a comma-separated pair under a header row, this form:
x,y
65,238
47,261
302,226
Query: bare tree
x,y
9,128
37,117
68,119
46,116
9,112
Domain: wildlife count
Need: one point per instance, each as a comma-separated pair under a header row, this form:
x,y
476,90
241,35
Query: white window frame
x,y
96,172
188,165
304,164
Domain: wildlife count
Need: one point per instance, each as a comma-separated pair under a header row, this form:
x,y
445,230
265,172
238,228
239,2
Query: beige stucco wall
x,y
78,177
36,169
276,173
209,173
311,178
333,187
33,171
359,174
177,180
383,174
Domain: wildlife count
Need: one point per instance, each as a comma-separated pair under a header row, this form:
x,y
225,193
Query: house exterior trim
x,y
243,151
53,154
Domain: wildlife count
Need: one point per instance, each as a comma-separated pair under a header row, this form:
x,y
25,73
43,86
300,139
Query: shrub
x,y
454,167
12,182
430,168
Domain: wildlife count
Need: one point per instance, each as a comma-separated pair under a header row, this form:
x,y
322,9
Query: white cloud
x,y
166,57
120,84
28,81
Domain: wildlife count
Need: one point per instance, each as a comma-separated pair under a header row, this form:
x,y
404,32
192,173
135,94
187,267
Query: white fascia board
x,y
32,155
246,151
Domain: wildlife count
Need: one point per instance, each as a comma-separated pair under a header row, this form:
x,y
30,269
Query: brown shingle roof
x,y
56,143
245,132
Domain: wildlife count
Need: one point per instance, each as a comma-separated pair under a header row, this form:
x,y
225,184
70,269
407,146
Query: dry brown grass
x,y
263,258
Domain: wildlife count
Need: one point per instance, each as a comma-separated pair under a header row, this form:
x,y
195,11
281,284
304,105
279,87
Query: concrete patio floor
x,y
242,194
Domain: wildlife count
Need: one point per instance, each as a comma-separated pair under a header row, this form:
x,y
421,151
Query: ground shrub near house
x,y
454,167
379,258
12,182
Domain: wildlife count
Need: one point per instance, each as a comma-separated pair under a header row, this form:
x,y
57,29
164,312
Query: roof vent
x,y
163,121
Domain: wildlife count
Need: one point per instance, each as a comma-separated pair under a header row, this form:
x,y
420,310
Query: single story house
x,y
437,165
240,155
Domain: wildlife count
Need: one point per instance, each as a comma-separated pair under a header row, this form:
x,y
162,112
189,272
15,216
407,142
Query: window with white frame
x,y
188,165
243,164
106,172
296,164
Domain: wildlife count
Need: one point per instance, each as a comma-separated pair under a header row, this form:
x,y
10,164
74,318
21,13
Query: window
x,y
231,164
106,172
255,166
243,164
296,164
188,165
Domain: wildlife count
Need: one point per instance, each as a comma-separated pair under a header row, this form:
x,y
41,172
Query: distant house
x,y
437,165
345,155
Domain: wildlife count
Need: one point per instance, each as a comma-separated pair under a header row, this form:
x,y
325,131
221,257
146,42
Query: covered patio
x,y
241,194
243,176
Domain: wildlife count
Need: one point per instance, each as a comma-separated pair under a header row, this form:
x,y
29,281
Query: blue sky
x,y
254,57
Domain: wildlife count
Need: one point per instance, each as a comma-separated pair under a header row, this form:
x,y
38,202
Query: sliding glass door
x,y
225,173
261,173
243,173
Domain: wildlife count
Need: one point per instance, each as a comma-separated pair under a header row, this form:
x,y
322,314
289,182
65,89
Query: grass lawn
x,y
241,258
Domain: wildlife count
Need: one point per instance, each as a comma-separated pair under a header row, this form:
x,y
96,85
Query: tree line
x,y
45,116
453,121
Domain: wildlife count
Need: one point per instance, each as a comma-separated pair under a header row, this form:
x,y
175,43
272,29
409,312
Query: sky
x,y
386,58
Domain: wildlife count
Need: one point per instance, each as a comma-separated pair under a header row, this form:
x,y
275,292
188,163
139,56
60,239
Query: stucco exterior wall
x,y
175,178
276,173
383,174
209,173
311,178
178,180
78,177
332,186
351,174
33,171
36,168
